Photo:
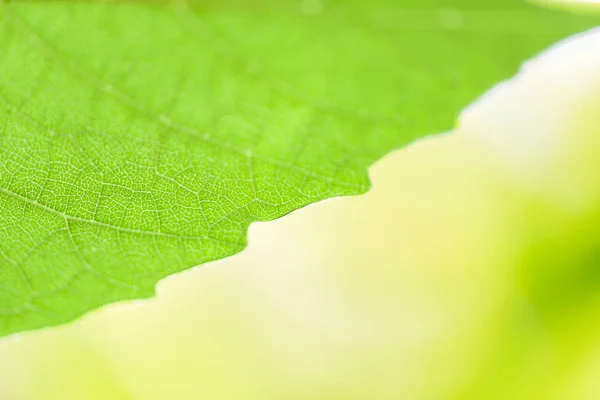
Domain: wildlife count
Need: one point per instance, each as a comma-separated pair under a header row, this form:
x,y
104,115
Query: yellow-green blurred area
x,y
471,270
586,6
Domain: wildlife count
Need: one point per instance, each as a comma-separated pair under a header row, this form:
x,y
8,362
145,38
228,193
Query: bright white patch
x,y
530,120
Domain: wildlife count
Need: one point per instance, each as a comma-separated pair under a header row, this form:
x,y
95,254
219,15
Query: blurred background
x,y
470,271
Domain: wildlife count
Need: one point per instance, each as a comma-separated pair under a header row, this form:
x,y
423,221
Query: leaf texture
x,y
140,139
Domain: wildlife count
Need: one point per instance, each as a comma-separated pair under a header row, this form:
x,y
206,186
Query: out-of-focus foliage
x,y
140,138
470,271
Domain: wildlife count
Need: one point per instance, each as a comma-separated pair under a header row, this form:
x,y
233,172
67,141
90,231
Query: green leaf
x,y
138,140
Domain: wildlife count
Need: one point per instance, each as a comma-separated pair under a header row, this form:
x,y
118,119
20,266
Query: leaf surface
x,y
140,139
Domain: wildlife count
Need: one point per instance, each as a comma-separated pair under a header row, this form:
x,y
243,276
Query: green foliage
x,y
138,140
